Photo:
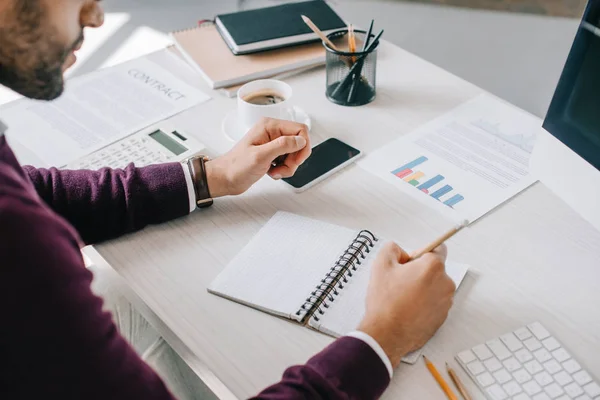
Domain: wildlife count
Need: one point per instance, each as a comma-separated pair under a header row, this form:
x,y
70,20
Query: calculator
x,y
161,143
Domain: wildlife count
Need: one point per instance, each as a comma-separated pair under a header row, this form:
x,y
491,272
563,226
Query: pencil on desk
x,y
438,377
440,241
459,385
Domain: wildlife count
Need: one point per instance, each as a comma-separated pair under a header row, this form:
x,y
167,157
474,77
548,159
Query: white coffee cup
x,y
249,114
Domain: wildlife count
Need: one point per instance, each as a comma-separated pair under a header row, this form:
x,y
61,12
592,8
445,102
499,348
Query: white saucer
x,y
233,130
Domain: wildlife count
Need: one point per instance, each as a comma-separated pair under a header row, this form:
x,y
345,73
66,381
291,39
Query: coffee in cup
x,y
268,98
264,98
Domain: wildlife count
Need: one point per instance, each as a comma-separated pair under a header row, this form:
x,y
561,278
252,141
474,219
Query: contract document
x,y
99,109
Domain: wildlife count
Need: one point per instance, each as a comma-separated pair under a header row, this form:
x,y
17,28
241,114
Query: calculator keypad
x,y
137,150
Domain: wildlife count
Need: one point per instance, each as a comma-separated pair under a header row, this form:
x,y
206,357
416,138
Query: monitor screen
x,y
574,114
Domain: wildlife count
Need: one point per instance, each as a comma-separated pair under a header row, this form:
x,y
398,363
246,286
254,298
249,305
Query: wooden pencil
x,y
438,377
440,241
458,383
319,33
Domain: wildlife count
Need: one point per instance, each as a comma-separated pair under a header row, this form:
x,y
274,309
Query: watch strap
x,y
197,167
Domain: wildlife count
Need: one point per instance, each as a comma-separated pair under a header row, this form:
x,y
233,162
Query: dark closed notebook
x,y
274,27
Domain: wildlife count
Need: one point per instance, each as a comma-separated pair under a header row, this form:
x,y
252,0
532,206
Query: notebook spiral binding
x,y
329,288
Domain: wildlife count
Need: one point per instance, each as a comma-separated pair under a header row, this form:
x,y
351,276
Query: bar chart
x,y
433,185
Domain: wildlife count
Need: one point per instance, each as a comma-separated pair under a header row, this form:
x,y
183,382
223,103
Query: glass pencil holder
x,y
351,77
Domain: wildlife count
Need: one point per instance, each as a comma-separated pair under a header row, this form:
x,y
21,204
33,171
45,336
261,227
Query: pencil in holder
x,y
351,77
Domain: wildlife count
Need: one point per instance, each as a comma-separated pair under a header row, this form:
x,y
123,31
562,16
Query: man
x,y
55,340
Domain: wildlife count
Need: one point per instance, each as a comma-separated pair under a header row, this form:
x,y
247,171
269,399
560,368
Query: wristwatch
x,y
197,167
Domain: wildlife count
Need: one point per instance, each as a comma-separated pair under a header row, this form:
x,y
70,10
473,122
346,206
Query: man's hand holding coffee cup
x,y
252,158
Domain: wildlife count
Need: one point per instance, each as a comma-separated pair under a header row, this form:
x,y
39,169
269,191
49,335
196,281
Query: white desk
x,y
533,259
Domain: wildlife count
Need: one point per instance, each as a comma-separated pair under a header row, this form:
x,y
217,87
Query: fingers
x,y
270,130
283,145
441,251
433,266
282,171
391,254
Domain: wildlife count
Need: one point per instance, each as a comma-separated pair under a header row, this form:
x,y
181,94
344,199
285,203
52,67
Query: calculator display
x,y
168,143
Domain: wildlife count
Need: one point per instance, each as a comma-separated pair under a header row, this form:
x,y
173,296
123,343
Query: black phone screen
x,y
324,158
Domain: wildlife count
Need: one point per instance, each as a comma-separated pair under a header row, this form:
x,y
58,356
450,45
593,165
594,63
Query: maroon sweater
x,y
55,340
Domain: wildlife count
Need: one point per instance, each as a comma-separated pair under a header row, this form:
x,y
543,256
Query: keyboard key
x,y
492,365
561,355
551,344
552,367
542,355
528,364
543,378
582,377
486,379
533,367
562,378
532,344
496,392
554,391
467,356
482,352
523,333
524,355
511,341
573,390
499,349
502,376
532,388
571,366
476,367
539,331
512,364
521,376
592,389
512,388
521,396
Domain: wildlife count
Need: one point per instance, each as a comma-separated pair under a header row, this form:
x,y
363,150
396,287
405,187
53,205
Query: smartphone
x,y
326,159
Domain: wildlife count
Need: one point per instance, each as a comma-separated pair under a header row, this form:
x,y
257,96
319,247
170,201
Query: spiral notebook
x,y
308,271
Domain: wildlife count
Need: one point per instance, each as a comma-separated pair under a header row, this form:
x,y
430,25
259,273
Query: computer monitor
x,y
567,154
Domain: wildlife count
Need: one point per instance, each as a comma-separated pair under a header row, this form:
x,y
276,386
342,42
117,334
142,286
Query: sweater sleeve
x,y
347,369
108,203
56,338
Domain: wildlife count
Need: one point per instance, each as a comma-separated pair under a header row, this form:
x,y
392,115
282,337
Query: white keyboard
x,y
528,364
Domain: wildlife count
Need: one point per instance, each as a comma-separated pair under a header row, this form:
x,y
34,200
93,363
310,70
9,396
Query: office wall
x,y
559,8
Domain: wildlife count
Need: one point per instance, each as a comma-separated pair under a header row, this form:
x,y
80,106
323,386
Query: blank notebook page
x,y
283,263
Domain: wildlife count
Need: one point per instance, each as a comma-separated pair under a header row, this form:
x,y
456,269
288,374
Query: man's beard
x,y
31,59
45,82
